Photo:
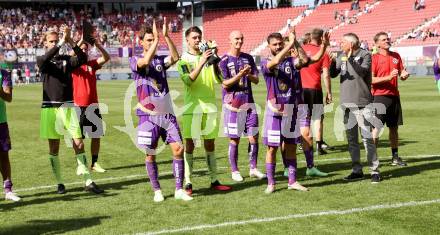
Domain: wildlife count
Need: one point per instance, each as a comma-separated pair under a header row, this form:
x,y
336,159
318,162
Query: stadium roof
x,y
109,1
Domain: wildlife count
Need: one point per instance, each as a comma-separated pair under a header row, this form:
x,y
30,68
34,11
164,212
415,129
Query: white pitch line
x,y
293,216
199,170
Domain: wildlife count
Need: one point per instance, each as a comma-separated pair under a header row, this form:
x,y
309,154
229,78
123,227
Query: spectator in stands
x,y
389,34
421,4
336,14
367,8
355,5
353,20
289,22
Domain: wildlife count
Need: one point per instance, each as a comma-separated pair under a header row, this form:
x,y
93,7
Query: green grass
x,y
127,206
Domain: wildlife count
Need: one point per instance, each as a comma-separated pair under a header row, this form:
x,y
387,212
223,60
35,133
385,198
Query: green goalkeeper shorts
x,y
58,122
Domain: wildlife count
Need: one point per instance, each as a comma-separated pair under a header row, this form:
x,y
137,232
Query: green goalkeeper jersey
x,y
200,93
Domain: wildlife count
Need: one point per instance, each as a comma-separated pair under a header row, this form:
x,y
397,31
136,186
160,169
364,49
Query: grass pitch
x,y
127,207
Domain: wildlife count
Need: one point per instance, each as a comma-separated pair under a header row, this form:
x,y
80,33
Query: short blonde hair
x,y
49,33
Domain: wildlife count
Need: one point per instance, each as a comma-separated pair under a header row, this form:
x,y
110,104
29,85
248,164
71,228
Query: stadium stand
x,y
395,16
254,24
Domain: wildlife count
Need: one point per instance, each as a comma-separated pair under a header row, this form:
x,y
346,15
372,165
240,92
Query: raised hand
x,y
155,33
205,56
294,52
292,36
165,27
326,38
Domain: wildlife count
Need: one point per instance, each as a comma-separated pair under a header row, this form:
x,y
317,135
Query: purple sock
x,y
309,158
270,171
152,173
233,156
178,172
253,155
291,164
7,185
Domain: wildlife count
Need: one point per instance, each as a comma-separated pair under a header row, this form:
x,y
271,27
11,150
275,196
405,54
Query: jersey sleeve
x,y
133,64
183,68
223,66
400,65
325,61
264,70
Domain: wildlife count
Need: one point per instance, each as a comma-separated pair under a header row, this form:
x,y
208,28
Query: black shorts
x,y
393,116
314,100
91,124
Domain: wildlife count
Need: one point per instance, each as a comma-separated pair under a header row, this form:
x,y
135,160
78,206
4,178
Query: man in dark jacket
x,y
58,116
354,67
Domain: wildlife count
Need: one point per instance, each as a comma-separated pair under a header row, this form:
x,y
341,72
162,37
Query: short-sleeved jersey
x,y
240,93
6,81
84,84
152,86
311,75
200,93
381,66
283,83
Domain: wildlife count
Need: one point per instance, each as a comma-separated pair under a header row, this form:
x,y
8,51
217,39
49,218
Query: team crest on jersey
x,y
158,68
395,61
288,70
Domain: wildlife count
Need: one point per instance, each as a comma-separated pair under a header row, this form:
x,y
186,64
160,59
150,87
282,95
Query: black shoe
x,y
325,146
320,151
354,176
189,189
375,178
61,189
93,188
397,161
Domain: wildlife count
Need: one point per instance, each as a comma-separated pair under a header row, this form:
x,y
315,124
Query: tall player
x,y
58,116
283,94
200,117
85,96
240,115
156,116
313,95
386,67
5,140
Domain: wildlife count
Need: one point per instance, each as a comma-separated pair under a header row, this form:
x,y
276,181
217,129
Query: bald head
x,y
236,39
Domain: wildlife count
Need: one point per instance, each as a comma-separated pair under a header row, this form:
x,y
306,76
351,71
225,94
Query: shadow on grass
x,y
383,143
53,226
386,175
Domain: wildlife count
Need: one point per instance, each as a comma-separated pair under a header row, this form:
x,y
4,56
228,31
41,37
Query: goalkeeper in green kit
x,y
199,73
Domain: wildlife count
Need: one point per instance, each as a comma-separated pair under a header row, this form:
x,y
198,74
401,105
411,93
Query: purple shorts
x,y
153,127
5,140
237,124
278,129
